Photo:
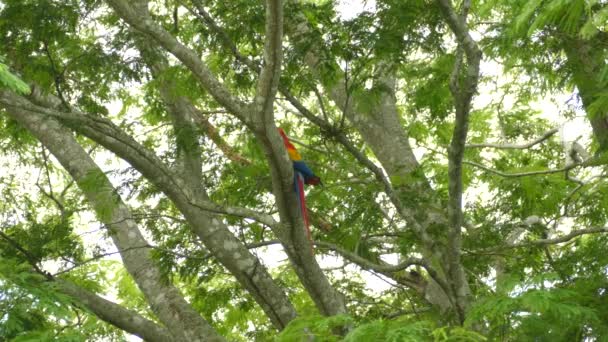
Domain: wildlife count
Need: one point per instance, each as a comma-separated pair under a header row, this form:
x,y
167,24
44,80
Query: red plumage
x,y
302,175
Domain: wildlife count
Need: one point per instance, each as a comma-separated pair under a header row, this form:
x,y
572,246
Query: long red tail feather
x,y
302,198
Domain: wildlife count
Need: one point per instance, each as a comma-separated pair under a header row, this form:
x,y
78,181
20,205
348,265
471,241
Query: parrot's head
x,y
282,133
314,180
284,136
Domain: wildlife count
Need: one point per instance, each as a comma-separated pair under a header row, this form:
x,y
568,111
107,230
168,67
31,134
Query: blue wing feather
x,y
302,168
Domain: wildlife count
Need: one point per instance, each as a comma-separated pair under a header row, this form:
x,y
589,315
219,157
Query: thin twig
x,y
56,76
524,174
32,260
545,242
524,146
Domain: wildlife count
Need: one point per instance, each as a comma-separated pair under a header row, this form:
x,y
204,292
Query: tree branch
x,y
181,319
524,174
212,132
458,25
554,241
115,314
388,270
368,265
271,71
106,310
228,249
140,20
462,92
263,218
28,256
524,146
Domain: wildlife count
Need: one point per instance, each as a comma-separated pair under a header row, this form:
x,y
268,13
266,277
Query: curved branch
x,y
387,270
115,314
265,219
271,71
462,88
554,241
108,311
212,132
527,145
112,137
369,265
141,21
524,174
28,256
166,301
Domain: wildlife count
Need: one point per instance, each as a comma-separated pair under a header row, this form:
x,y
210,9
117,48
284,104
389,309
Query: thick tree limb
x,y
165,300
115,314
458,25
293,236
112,137
110,312
271,71
142,22
462,90
271,298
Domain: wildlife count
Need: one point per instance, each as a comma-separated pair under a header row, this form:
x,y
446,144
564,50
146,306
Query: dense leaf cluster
x,y
83,54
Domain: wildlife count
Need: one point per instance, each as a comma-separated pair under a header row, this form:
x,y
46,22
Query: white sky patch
x,y
349,9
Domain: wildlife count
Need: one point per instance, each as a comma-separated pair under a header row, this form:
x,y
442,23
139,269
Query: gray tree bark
x,y
115,314
184,323
413,198
256,280
258,116
587,60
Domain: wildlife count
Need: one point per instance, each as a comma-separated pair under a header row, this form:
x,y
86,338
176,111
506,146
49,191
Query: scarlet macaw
x,y
302,175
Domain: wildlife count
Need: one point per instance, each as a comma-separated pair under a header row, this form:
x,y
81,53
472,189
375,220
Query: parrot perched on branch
x,y
302,175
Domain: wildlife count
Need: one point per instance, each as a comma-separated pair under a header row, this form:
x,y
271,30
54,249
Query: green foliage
x,y
95,183
12,82
320,327
533,50
556,314
391,331
33,309
399,330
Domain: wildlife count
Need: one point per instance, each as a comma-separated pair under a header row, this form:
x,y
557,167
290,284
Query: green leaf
x,y
12,82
